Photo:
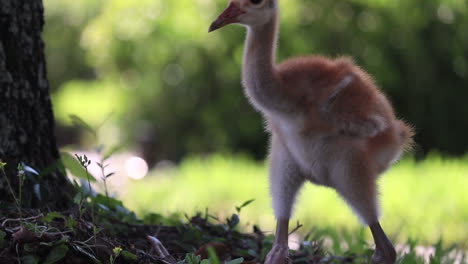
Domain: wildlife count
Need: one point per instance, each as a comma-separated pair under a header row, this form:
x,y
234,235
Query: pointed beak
x,y
230,15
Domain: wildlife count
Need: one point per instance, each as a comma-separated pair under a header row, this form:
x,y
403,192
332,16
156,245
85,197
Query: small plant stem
x,y
11,191
92,205
80,205
104,179
107,194
20,187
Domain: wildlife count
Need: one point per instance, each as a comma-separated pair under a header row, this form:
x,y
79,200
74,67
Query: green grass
x,y
425,201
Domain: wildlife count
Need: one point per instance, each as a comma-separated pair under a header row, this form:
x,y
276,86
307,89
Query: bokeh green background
x,y
169,90
175,88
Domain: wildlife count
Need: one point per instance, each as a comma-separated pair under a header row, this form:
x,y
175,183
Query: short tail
x,y
406,136
389,146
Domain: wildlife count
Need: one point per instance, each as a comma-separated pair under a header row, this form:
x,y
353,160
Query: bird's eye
x,y
256,2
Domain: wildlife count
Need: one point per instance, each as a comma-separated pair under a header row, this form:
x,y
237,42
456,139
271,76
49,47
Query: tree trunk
x,y
26,117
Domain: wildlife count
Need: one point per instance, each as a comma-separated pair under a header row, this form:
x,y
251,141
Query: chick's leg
x,y
279,252
356,183
384,250
285,181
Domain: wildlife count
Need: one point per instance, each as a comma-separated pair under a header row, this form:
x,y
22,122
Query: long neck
x,y
258,71
260,51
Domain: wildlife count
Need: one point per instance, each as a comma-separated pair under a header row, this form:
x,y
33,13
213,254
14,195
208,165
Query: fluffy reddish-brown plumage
x,y
356,110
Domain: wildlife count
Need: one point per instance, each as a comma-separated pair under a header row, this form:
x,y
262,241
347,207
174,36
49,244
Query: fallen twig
x,y
298,226
21,219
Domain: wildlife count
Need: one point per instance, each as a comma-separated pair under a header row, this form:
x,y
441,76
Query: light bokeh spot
x,y
136,168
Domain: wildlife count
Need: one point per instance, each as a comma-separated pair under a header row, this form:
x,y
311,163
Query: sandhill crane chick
x,y
328,121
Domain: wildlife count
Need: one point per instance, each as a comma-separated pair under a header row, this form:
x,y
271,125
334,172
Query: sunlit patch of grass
x,y
425,200
69,100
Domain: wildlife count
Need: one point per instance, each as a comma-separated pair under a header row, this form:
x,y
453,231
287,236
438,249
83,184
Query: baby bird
x,y
328,121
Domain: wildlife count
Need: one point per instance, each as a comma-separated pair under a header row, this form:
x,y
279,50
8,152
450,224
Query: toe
x,y
382,258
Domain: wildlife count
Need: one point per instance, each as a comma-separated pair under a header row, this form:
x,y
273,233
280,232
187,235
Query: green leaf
x,y
77,121
252,253
30,259
2,238
75,167
112,150
71,223
129,255
117,251
57,253
236,261
239,208
63,240
191,258
78,198
212,256
110,202
30,247
51,216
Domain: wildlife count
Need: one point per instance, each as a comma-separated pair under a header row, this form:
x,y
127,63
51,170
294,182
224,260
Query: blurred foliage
x,y
175,89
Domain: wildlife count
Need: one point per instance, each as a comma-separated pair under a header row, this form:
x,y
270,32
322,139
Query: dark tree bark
x,y
26,118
